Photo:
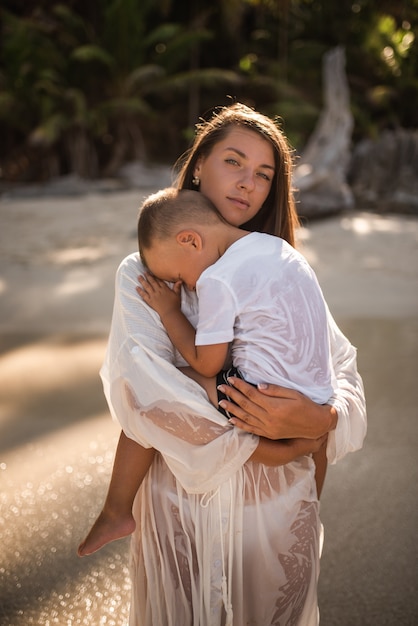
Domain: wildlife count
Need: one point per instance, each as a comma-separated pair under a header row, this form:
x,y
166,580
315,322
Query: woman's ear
x,y
189,239
197,168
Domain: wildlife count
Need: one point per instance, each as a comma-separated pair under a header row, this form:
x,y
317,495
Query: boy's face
x,y
173,261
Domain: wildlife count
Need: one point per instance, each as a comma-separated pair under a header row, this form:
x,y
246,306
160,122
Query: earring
x,y
196,181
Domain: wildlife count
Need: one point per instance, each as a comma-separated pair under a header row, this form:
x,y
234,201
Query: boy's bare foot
x,y
104,530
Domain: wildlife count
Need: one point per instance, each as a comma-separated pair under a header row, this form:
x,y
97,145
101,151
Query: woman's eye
x,y
264,176
232,161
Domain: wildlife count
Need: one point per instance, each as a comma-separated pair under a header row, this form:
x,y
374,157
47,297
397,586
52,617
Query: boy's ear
x,y
189,238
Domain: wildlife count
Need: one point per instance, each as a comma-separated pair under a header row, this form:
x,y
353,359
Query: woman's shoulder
x,y
130,265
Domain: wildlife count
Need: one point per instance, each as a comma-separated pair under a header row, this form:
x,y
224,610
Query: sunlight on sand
x,y
77,255
77,281
366,223
44,386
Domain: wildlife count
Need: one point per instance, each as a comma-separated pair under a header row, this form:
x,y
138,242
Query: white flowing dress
x,y
219,541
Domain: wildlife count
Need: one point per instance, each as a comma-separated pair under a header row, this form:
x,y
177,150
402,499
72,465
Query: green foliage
x,y
89,53
86,86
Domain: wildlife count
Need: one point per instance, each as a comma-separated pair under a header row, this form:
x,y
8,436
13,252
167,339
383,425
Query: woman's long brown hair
x,y
278,214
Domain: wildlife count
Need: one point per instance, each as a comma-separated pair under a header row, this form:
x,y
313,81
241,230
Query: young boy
x,y
260,306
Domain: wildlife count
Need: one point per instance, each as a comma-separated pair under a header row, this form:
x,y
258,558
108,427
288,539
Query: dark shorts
x,y
221,379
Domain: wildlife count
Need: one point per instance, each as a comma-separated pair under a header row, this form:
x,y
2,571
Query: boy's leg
x,y
321,463
115,521
208,384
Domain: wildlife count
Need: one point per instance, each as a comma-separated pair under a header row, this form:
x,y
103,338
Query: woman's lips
x,y
239,202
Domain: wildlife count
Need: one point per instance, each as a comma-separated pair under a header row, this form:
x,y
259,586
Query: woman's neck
x,y
231,234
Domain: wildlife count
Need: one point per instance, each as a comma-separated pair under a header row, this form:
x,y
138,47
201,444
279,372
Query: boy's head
x,y
171,234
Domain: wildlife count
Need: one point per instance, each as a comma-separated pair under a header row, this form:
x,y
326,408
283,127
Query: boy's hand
x,y
158,294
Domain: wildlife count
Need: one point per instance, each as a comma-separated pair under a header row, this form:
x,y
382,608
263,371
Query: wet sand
x,y
58,258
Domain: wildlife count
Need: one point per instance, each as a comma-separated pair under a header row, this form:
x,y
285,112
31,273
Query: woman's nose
x,y
246,181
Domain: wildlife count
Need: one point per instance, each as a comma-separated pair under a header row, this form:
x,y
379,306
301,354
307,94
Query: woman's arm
x,y
155,404
348,400
281,452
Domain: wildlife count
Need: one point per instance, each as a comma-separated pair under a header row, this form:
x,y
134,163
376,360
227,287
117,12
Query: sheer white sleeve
x,y
348,398
155,404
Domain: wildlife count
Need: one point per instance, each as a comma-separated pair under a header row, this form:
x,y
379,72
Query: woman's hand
x,y
276,412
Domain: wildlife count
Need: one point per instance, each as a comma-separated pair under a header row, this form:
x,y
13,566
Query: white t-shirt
x,y
264,297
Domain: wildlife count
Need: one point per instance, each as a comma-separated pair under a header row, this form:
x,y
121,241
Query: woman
x,y
227,526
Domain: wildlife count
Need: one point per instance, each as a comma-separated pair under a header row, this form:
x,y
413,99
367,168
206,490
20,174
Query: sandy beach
x,y
58,257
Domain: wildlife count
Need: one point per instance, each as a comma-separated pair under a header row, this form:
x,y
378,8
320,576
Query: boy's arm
x,y
207,360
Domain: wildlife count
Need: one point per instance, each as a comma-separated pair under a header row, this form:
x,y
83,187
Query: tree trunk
x,y
321,172
129,144
81,153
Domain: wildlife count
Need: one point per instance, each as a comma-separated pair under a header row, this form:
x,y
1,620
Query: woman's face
x,y
237,175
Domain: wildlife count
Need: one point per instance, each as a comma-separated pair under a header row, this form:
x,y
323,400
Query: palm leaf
x,y
91,52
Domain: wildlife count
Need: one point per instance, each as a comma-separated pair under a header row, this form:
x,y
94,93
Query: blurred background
x,y
97,101
87,86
